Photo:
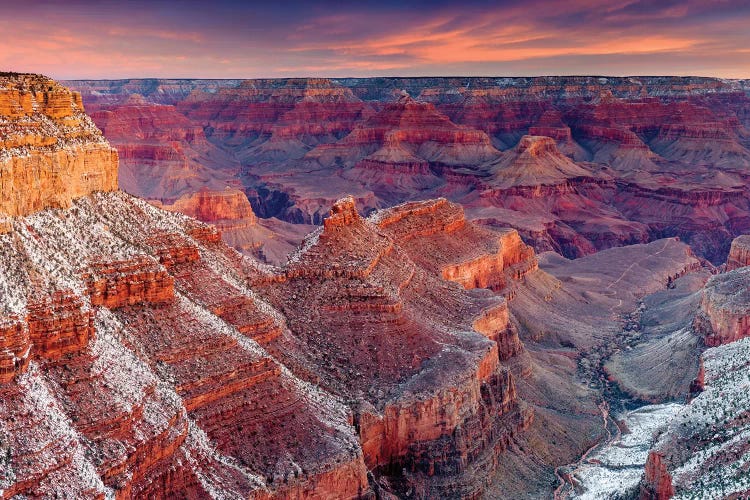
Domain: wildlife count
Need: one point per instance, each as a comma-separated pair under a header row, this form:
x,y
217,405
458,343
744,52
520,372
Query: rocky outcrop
x,y
128,282
50,151
725,308
495,324
227,209
154,370
359,277
657,483
129,366
14,357
59,323
704,447
699,383
739,253
437,235
56,324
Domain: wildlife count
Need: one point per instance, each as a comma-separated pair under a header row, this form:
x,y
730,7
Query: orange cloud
x,y
516,37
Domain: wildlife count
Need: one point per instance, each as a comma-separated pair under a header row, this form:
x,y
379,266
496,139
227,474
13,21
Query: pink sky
x,y
231,39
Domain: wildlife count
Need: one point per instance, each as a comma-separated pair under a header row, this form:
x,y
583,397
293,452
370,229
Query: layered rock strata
x,y
576,164
50,150
725,308
371,300
143,357
739,253
704,450
146,390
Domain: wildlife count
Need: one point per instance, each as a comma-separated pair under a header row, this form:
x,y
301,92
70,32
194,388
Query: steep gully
x,y
565,473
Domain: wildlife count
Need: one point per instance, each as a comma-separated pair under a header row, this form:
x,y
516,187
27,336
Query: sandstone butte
x,y
575,164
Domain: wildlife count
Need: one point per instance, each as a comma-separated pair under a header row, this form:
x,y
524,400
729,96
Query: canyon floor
x,y
386,288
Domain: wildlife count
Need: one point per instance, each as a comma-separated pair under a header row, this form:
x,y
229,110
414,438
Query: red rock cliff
x,y
359,277
657,483
739,253
50,151
129,365
724,314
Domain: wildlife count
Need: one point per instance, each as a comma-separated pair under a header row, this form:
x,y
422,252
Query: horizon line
x,y
416,77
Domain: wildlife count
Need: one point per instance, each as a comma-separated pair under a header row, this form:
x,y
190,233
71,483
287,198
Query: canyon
x,y
575,164
379,288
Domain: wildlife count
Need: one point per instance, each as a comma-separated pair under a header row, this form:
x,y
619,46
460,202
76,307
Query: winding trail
x,y
627,270
613,310
565,474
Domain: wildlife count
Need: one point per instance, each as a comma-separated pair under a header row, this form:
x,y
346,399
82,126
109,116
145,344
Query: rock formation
x,y
225,209
143,357
370,342
657,483
739,253
137,364
51,151
616,161
146,316
229,210
704,450
725,308
535,162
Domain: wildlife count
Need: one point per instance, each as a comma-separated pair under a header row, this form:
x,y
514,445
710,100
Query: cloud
x,y
233,39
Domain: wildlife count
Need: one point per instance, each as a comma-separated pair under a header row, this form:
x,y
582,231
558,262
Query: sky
x,y
77,39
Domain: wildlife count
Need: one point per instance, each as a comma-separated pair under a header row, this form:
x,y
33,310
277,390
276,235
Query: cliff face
x,y
127,365
188,369
725,308
437,235
739,253
576,164
388,334
50,150
705,446
140,356
228,209
657,483
137,376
